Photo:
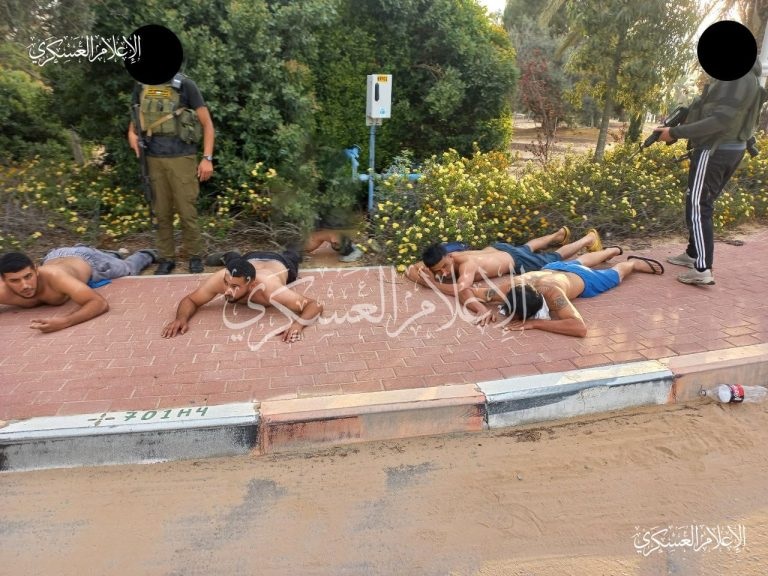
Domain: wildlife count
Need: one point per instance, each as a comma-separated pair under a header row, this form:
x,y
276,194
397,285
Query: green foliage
x,y
453,75
536,46
624,57
476,200
24,115
285,84
45,196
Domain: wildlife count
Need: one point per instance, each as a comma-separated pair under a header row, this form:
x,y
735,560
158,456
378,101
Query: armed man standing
x,y
171,117
719,124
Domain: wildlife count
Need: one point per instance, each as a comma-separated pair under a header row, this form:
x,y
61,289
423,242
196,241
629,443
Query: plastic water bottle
x,y
735,393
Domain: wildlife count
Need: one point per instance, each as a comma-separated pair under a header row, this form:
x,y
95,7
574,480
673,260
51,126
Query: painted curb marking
x,y
130,437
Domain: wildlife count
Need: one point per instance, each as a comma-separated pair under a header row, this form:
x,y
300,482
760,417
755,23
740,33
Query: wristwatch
x,y
209,157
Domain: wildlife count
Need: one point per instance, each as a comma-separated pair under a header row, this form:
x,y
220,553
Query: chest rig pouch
x,y
163,115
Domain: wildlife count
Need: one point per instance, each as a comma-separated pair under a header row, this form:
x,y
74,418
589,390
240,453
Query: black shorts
x,y
290,259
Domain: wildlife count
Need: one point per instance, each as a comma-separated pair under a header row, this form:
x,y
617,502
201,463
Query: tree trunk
x,y
608,103
77,149
635,129
604,123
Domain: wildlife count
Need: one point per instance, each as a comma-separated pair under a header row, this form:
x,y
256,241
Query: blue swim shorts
x,y
595,281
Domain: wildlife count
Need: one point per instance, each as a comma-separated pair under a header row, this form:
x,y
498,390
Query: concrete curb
x,y
695,373
299,423
516,401
132,437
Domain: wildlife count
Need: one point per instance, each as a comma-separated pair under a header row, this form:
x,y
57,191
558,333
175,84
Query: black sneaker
x,y
345,246
165,267
196,265
153,253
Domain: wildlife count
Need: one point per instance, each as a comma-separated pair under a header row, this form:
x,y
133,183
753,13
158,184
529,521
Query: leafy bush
x,y
475,199
479,201
25,116
48,196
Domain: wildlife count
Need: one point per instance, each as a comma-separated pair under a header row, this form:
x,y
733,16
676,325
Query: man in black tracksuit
x,y
716,131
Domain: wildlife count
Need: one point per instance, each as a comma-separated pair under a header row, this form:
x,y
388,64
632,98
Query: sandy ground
x,y
659,491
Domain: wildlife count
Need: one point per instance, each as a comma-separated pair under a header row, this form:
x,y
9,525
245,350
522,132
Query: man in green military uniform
x,y
172,115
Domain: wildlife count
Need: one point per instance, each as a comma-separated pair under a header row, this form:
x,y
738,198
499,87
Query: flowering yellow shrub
x,y
478,200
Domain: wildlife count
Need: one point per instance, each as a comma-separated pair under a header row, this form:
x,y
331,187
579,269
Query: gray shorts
x,y
104,266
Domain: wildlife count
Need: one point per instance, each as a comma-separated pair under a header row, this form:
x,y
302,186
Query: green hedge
x,y
480,200
476,199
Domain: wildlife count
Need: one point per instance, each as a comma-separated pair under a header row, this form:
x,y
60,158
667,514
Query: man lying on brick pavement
x,y
440,267
542,300
259,278
68,273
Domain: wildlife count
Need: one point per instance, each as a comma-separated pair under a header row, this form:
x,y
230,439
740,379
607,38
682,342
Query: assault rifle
x,y
676,118
146,184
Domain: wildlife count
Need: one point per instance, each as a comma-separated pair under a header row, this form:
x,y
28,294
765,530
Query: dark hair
x,y
14,262
241,268
523,302
433,254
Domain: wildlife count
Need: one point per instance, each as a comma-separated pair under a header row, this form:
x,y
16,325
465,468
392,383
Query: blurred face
x,y
443,269
22,283
235,287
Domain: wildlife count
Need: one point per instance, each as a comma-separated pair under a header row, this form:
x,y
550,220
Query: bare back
x,y
487,263
271,276
571,284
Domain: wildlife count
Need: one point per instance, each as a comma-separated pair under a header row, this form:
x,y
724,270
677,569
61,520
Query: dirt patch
x,y
648,492
577,140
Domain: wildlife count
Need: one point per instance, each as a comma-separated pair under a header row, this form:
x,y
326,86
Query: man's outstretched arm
x,y
302,310
189,305
91,304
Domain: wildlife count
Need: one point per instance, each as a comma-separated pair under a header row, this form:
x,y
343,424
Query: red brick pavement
x,y
379,332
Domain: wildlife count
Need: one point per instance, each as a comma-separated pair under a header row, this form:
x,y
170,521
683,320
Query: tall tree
x,y
285,81
453,72
624,56
543,80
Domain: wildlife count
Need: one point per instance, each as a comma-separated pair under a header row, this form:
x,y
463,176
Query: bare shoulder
x,y
209,288
554,295
59,279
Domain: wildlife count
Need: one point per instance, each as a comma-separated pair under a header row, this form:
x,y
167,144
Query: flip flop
x,y
655,265
597,244
621,250
567,236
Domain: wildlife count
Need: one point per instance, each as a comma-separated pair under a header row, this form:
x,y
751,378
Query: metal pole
x,y
371,167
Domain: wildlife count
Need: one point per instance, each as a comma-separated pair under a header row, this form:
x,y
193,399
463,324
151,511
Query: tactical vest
x,y
162,115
